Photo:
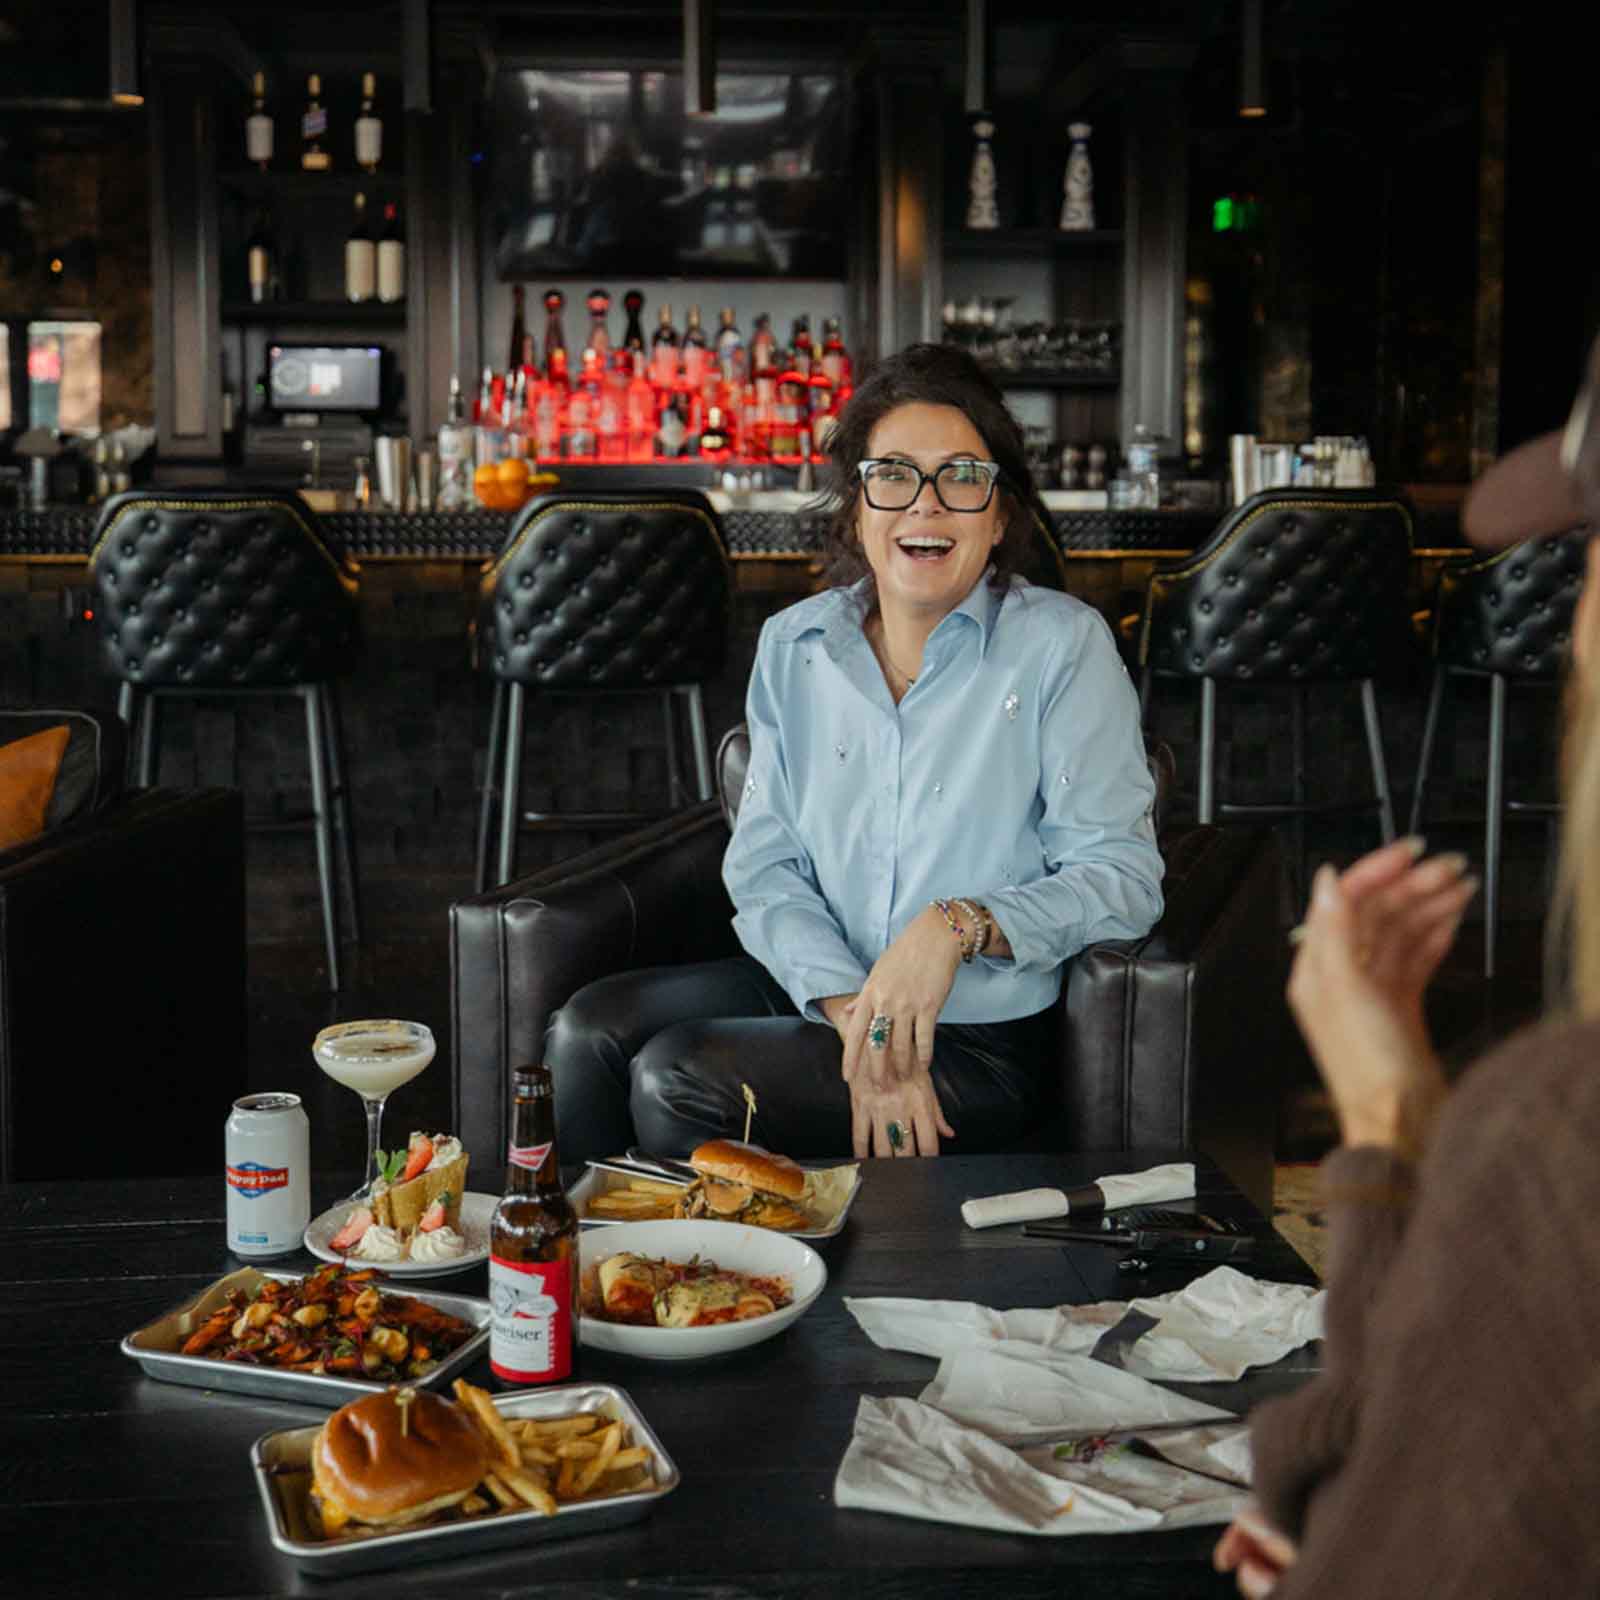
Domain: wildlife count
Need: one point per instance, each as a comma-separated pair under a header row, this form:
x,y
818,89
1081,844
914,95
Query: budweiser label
x,y
530,1334
529,1156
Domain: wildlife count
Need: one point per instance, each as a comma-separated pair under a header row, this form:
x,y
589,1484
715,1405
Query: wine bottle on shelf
x,y
800,341
360,257
835,358
519,326
391,256
555,339
599,303
729,342
633,335
258,125
369,127
696,352
664,352
763,347
313,125
261,259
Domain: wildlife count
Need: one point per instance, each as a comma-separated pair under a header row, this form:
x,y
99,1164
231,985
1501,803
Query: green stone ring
x,y
897,1136
878,1031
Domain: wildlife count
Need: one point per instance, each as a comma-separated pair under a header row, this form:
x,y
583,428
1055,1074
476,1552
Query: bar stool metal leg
x,y
1494,818
149,740
1430,732
491,786
700,738
1380,768
511,792
677,790
1146,682
343,827
1207,807
322,826
1297,720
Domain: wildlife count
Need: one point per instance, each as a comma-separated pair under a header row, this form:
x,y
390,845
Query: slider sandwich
x,y
394,1459
741,1182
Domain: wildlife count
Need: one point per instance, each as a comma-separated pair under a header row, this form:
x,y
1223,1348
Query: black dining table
x,y
119,1484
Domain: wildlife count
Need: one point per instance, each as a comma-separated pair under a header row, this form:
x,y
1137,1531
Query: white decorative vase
x,y
981,209
1077,183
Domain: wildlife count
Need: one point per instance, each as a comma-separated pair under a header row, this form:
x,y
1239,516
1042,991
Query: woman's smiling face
x,y
925,558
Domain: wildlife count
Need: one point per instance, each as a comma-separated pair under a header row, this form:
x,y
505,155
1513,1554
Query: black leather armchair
x,y
1170,1040
122,970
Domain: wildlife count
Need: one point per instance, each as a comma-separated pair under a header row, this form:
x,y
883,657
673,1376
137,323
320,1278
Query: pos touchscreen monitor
x,y
338,378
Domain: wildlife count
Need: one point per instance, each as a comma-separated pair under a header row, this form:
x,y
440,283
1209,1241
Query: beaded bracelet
x,y
967,943
982,925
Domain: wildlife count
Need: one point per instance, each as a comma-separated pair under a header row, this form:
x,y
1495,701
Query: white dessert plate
x,y
730,1244
477,1211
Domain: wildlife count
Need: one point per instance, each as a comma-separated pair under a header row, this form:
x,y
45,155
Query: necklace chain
x,y
882,642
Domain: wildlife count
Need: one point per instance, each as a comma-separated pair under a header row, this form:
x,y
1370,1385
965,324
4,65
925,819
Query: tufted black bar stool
x,y
1507,618
599,594
1294,588
205,595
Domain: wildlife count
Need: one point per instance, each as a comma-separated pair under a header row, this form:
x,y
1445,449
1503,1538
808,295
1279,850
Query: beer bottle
x,y
533,1247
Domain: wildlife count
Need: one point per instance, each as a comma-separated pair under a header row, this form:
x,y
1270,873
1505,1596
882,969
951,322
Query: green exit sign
x,y
1235,214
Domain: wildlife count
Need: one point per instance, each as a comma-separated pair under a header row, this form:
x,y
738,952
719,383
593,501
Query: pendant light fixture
x,y
124,87
1252,97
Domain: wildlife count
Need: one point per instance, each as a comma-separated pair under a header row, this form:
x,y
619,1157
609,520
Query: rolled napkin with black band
x,y
1174,1181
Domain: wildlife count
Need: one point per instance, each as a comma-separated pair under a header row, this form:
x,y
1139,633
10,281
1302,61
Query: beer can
x,y
268,1169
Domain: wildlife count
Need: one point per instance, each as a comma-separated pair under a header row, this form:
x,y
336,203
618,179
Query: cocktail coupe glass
x,y
374,1058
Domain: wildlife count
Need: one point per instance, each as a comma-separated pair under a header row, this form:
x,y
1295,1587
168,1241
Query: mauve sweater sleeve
x,y
1452,1445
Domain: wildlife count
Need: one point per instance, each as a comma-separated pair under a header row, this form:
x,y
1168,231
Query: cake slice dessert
x,y
434,1172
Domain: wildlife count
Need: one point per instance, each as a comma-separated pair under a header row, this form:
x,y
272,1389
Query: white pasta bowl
x,y
758,1251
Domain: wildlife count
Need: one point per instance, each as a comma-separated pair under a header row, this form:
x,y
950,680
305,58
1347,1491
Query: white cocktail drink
x,y
373,1058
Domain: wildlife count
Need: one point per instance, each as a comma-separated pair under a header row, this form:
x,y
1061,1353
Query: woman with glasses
x,y
947,798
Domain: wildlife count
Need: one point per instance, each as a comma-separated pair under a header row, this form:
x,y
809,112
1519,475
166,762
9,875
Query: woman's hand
x,y
911,1107
909,985
1254,1550
1372,940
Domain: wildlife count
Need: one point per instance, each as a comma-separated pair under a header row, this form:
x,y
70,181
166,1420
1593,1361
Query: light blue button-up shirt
x,y
1012,772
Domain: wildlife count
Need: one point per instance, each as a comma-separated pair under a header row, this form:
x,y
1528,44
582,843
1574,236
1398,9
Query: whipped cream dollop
x,y
440,1245
446,1148
379,1243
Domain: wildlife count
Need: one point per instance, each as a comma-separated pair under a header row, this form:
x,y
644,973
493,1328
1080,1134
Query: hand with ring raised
x,y
890,1030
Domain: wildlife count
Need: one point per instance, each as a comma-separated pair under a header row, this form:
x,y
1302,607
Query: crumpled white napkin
x,y
978,1446
1213,1330
910,1459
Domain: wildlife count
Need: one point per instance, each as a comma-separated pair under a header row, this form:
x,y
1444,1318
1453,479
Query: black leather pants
x,y
656,1058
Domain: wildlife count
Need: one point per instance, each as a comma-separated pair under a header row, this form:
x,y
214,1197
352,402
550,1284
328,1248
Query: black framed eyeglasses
x,y
892,485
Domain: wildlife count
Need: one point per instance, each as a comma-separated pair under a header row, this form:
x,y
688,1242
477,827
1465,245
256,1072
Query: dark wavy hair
x,y
937,375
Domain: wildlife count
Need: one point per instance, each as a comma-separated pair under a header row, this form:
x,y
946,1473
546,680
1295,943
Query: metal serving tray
x,y
282,1465
601,1177
157,1347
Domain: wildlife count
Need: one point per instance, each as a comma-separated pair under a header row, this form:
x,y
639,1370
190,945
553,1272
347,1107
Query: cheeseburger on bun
x,y
741,1182
393,1459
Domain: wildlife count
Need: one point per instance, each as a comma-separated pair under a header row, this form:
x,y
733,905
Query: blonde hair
x,y
1572,952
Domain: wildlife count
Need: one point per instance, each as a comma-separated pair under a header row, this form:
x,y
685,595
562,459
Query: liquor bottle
x,y
360,257
519,326
455,453
483,412
599,303
730,342
369,127
763,347
821,387
533,1247
641,410
555,340
633,335
664,351
835,358
313,124
696,353
261,259
258,125
391,256
800,341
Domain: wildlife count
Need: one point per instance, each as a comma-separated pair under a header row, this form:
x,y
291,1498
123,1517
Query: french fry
x,y
489,1420
536,1455
634,1456
474,1505
589,1475
545,1427
565,1479
578,1449
499,1490
532,1493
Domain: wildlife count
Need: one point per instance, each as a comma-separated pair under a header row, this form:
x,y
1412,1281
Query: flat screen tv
x,y
341,378
597,173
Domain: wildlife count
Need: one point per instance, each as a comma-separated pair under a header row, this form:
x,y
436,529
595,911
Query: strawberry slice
x,y
356,1224
432,1218
418,1155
